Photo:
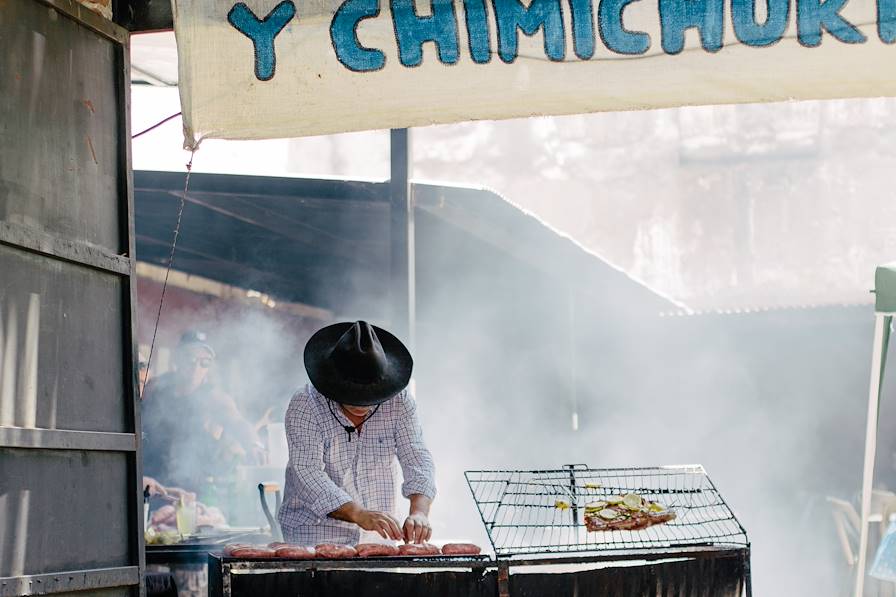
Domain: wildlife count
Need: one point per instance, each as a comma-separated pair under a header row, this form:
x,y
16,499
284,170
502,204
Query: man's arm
x,y
238,425
417,528
369,520
417,468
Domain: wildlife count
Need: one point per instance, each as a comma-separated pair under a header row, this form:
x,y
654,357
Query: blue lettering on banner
x,y
582,28
344,35
477,31
441,27
262,33
677,16
886,20
751,33
413,31
815,15
614,34
540,14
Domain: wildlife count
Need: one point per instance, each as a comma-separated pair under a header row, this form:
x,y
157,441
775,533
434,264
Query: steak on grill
x,y
628,513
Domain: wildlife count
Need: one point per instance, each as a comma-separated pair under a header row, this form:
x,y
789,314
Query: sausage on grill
x,y
461,549
418,549
252,552
335,552
375,550
228,549
278,544
295,552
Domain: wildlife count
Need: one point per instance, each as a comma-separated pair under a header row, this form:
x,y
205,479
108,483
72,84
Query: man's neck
x,y
356,420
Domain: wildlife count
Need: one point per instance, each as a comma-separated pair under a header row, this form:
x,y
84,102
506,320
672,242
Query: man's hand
x,y
378,522
417,528
155,488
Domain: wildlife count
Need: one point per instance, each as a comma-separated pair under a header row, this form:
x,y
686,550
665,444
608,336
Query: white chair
x,y
846,524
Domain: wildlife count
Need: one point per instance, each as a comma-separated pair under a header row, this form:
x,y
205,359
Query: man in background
x,y
192,429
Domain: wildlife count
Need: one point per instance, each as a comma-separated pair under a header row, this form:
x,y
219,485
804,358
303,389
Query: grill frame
x,y
530,507
489,577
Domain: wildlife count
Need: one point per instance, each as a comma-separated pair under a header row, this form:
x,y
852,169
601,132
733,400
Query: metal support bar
x,y
240,565
24,237
881,321
503,579
402,282
90,19
143,15
56,439
454,563
67,582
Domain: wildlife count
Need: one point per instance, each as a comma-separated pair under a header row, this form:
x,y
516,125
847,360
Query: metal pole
x,y
402,279
870,448
572,360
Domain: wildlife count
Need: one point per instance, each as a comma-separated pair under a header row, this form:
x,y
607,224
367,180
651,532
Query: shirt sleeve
x,y
234,423
315,490
416,462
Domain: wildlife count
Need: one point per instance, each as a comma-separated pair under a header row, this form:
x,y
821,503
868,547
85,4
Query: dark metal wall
x,y
70,505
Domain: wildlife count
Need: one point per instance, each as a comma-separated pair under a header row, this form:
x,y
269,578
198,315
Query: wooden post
x,y
402,283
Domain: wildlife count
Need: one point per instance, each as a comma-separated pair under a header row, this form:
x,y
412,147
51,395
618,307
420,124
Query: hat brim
x,y
202,345
326,378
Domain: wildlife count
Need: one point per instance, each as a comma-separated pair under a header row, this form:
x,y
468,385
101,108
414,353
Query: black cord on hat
x,y
351,428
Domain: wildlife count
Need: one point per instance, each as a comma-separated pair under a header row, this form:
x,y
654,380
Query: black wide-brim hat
x,y
357,364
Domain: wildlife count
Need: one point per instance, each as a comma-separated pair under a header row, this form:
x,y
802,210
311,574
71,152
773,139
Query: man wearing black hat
x,y
345,430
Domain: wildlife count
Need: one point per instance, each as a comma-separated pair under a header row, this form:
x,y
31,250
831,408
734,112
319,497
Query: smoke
x,y
258,363
772,403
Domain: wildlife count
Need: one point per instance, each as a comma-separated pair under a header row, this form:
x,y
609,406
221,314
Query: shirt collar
x,y
323,401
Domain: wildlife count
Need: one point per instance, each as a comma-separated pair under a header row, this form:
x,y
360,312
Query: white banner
x,y
252,69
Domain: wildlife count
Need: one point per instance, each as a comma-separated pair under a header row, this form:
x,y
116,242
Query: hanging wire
x,y
180,213
157,125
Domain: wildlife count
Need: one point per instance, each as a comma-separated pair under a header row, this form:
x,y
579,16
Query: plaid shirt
x,y
326,470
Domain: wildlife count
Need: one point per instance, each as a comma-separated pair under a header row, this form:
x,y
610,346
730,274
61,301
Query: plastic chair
x,y
846,524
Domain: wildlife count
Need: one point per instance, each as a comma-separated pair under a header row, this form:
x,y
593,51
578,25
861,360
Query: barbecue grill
x,y
535,521
542,512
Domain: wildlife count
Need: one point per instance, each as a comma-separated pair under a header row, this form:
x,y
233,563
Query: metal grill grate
x,y
520,513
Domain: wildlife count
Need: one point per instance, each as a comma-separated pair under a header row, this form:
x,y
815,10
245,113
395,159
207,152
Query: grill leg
x,y
748,576
503,579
